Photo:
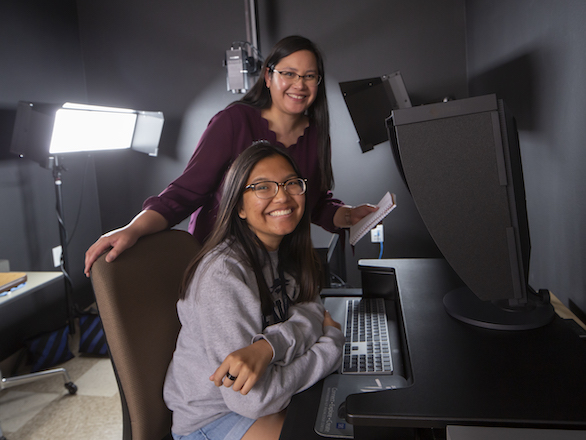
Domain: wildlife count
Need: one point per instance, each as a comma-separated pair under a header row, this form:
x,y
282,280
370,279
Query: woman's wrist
x,y
343,217
347,217
265,349
147,222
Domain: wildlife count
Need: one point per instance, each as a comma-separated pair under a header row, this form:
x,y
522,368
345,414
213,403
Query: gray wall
x,y
40,53
168,56
423,39
533,55
163,56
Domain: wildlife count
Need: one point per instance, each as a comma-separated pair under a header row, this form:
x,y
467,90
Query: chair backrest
x,y
136,295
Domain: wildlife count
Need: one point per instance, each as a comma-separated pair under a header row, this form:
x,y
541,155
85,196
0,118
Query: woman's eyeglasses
x,y
311,79
269,189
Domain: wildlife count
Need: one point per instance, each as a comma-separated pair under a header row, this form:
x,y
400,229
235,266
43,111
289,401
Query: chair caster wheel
x,y
71,387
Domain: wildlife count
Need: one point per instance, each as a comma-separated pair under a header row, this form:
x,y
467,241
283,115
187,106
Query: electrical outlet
x,y
377,234
4,266
57,256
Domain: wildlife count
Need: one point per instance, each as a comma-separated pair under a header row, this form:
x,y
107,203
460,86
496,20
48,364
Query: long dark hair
x,y
318,113
296,254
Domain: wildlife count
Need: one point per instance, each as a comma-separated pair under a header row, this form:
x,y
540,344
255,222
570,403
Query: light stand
x,y
57,168
45,132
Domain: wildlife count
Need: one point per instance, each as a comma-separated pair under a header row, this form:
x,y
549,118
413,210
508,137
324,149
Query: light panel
x,y
42,131
89,130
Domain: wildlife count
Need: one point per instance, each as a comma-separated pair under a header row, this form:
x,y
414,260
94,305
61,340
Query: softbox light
x,y
45,130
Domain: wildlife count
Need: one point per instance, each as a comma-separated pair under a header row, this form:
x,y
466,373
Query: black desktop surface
x,y
463,374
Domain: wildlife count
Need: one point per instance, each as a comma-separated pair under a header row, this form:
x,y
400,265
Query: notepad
x,y
359,230
8,280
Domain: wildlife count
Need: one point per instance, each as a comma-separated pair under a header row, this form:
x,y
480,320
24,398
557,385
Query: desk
x,y
35,281
463,374
36,307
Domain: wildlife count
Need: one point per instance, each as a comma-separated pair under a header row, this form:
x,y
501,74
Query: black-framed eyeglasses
x,y
311,79
268,189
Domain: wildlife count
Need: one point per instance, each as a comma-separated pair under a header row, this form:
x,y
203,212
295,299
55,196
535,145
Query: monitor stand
x,y
462,304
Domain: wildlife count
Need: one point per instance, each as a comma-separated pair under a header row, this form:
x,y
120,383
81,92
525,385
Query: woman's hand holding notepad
x,y
359,230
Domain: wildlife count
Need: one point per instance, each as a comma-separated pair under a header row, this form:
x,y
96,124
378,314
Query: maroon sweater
x,y
231,131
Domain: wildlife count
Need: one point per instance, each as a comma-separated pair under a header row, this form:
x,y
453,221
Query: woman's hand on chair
x,y
117,241
145,223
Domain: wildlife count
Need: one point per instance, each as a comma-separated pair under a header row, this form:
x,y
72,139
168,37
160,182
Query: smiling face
x,y
292,98
272,219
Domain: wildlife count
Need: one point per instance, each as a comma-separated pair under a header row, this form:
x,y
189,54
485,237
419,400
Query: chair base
x,y
9,382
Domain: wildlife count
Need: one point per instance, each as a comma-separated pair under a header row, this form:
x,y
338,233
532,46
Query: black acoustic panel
x,y
33,127
370,102
451,168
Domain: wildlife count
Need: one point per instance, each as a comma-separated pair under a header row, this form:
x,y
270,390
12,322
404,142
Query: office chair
x,y
136,295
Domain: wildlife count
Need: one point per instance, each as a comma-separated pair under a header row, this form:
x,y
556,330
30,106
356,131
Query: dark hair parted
x,y
296,254
318,113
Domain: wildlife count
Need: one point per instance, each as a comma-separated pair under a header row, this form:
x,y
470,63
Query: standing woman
x,y
250,312
287,107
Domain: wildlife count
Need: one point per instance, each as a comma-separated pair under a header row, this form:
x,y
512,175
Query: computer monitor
x,y
461,162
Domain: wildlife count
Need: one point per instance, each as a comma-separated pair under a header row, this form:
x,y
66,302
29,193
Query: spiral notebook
x,y
359,230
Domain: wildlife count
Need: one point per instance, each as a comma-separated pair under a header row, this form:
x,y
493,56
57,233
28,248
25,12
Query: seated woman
x,y
250,309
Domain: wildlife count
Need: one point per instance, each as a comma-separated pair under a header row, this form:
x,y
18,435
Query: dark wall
x,y
425,41
163,56
168,56
41,60
531,53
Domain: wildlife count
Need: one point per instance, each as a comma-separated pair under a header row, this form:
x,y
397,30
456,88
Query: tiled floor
x,y
44,410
